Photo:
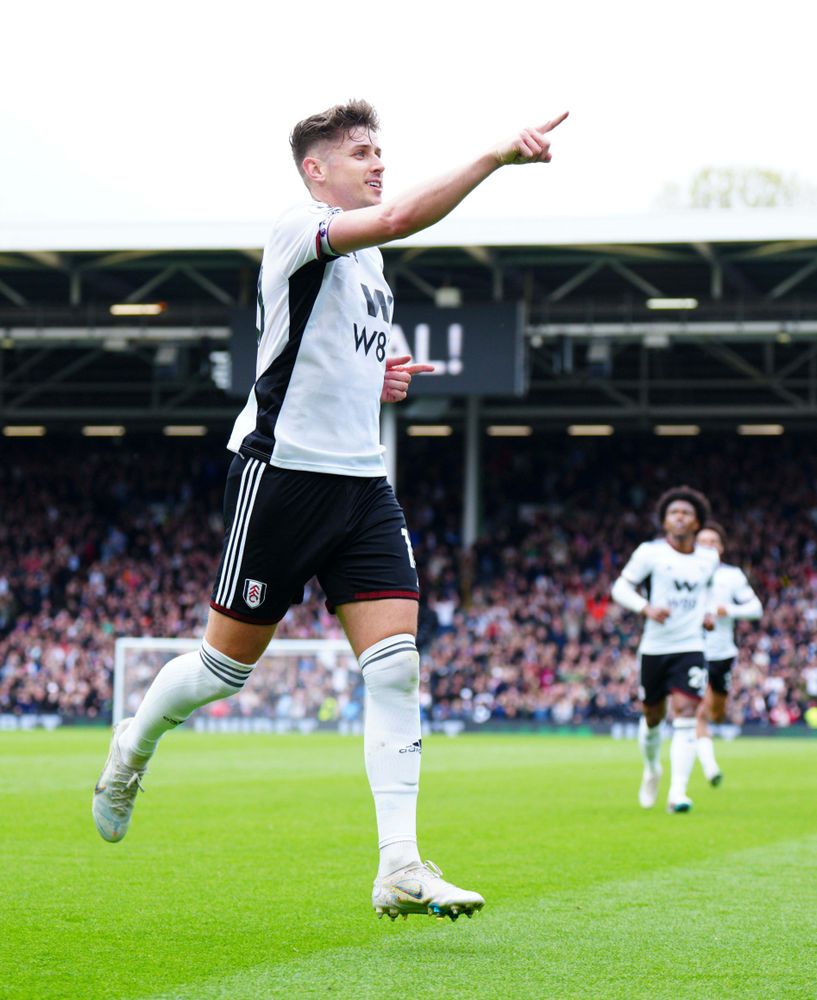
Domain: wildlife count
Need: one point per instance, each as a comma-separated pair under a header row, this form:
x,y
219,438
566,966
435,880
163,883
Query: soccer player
x,y
732,598
306,493
677,575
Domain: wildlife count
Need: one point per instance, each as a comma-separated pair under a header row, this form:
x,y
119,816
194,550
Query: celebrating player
x,y
306,493
678,575
732,598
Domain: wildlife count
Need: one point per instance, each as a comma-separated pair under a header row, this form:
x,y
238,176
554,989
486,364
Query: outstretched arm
x,y
424,205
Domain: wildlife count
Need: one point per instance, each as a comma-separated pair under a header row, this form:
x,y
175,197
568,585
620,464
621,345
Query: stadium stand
x,y
101,540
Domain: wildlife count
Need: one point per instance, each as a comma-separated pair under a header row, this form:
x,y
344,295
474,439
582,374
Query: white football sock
x,y
649,742
181,686
706,755
392,744
682,757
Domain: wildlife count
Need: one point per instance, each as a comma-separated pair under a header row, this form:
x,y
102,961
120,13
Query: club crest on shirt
x,y
254,593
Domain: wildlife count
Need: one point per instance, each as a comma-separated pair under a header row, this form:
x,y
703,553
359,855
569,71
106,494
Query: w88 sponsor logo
x,y
377,339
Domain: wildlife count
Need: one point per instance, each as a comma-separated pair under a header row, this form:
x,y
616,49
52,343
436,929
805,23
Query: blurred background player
x,y
731,598
677,575
307,493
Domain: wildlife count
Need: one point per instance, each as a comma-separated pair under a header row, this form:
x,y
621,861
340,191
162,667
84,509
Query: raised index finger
x,y
394,362
549,126
418,369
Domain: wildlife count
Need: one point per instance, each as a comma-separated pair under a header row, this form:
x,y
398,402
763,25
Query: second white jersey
x,y
732,591
679,582
324,323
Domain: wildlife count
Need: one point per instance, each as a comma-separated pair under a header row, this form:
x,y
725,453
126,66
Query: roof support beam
x,y
734,360
12,295
419,283
45,384
787,284
735,276
482,255
114,259
215,290
808,355
776,249
620,250
48,258
153,283
635,279
573,283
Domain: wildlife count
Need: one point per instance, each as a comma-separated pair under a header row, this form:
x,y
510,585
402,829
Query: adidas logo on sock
x,y
415,747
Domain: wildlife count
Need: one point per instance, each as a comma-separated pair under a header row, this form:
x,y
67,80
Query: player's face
x,y
354,171
680,519
710,539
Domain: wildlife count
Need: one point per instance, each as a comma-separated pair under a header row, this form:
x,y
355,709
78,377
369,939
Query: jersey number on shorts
x,y
405,534
697,678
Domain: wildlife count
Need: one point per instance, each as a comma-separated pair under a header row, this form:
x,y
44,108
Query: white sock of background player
x,y
706,755
682,757
649,742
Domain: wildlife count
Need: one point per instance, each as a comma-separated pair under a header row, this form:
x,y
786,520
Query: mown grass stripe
x,y
665,935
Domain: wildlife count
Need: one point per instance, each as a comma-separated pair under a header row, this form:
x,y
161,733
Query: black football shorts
x,y
284,526
662,673
720,675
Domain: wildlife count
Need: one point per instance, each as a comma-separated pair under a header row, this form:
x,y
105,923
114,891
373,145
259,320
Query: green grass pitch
x,y
247,871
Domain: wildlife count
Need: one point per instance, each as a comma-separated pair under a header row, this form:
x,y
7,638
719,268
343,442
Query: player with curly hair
x,y
676,575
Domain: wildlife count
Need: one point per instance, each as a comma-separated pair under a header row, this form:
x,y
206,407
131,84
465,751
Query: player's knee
x,y
654,714
237,640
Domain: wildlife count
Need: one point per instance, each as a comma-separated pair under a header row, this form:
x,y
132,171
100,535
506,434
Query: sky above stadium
x,y
176,111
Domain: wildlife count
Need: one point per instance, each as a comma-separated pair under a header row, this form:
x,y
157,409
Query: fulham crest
x,y
254,593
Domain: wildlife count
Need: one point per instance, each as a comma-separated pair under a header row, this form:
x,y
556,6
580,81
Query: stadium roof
x,y
703,226
596,350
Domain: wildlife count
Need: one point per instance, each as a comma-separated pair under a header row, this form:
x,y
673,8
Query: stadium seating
x,y
106,540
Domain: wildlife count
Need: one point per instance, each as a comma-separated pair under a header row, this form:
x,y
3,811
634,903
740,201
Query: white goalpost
x,y
298,684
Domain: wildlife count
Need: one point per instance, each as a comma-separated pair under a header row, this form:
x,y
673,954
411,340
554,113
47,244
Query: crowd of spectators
x,y
99,541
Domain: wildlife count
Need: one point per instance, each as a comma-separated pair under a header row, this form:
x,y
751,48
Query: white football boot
x,y
648,792
421,888
115,792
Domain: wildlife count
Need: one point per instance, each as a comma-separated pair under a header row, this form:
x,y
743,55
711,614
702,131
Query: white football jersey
x,y
324,323
730,590
676,581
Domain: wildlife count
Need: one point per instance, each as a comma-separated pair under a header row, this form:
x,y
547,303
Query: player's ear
x,y
313,169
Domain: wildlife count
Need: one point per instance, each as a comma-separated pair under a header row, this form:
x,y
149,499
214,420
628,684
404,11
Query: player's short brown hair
x,y
335,123
711,525
688,494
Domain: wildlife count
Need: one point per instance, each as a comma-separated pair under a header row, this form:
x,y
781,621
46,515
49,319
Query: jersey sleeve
x,y
713,560
743,601
301,235
639,565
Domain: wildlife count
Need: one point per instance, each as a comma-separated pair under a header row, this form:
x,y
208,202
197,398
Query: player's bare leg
x,y
711,709
218,669
649,742
682,750
382,635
